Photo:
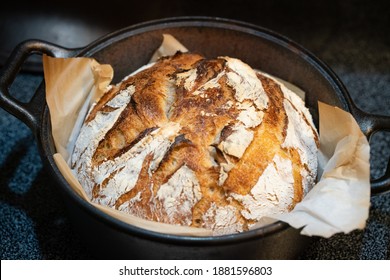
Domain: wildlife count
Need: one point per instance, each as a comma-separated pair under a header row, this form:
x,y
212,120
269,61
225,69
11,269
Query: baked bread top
x,y
198,142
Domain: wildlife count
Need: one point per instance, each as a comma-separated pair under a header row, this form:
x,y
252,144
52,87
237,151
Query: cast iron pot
x,y
128,49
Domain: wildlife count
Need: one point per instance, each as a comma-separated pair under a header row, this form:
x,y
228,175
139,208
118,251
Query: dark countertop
x,y
352,37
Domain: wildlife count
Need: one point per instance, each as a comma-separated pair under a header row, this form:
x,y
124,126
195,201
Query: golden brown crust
x,y
259,154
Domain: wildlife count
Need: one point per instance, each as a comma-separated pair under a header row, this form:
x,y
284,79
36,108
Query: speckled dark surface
x,y
352,37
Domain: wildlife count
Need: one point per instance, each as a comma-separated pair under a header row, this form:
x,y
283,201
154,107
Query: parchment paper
x,y
72,85
339,202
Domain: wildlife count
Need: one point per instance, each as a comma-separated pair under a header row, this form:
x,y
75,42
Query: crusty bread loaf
x,y
198,142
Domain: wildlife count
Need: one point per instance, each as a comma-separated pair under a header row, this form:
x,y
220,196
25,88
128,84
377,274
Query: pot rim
x,y
188,21
230,24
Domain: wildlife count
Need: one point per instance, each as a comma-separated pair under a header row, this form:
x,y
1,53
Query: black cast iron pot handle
x,y
369,124
30,113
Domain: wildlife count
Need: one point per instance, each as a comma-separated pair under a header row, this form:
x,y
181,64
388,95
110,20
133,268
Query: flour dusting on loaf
x,y
198,142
